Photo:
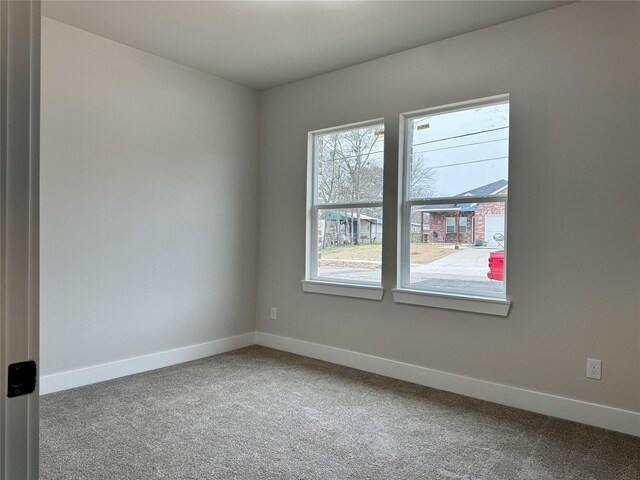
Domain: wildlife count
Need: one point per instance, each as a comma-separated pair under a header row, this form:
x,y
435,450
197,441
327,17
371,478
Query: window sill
x,y
368,292
489,306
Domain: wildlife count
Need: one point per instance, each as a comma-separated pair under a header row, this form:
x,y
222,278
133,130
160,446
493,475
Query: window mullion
x,y
455,200
342,206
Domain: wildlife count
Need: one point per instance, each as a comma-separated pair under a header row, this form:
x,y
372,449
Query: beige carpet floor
x,y
257,413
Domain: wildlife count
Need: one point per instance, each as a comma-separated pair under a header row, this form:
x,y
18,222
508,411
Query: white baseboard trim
x,y
108,371
619,420
611,418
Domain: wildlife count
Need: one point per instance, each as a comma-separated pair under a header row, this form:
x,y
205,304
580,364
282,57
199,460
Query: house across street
x,y
465,223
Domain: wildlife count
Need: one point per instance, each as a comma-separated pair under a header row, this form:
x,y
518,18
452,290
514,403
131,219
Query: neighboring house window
x,y
462,227
344,206
451,225
454,160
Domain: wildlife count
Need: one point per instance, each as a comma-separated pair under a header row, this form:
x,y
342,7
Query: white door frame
x,y
19,222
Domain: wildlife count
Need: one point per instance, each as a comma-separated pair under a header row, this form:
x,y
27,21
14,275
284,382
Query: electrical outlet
x,y
274,313
594,368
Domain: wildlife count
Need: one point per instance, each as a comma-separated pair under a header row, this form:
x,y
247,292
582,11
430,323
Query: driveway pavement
x,y
467,262
465,268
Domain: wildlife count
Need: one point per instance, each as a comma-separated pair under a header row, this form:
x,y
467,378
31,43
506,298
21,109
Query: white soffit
x,y
262,44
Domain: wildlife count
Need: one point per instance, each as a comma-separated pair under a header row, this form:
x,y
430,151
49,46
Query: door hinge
x,y
22,378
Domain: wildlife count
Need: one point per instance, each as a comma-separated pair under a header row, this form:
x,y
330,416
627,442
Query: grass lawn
x,y
428,252
420,253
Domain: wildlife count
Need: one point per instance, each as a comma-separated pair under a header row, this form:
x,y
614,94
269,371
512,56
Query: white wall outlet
x,y
274,313
594,368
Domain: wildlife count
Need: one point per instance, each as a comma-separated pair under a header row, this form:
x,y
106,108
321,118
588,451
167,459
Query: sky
x,y
466,149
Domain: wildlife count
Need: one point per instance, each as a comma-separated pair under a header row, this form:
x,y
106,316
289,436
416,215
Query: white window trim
x,y
446,225
325,285
367,292
452,301
460,226
439,298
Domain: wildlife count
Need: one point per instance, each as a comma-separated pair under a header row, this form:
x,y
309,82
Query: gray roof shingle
x,y
488,189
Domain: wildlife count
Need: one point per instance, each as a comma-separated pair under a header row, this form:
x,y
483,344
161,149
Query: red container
x,y
496,266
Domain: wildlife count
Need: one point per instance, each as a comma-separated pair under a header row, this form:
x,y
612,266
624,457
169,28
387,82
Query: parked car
x,y
496,261
496,266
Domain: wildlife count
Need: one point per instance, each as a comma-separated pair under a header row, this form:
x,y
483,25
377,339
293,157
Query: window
x,y
462,228
344,207
451,225
454,170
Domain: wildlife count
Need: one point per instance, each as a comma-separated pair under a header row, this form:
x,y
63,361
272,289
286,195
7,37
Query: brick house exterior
x,y
473,214
437,224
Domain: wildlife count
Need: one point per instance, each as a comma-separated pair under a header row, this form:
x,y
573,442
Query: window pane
x,y
468,260
455,153
350,244
451,225
349,165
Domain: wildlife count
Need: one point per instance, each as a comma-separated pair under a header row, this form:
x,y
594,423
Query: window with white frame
x,y
462,227
344,205
451,225
454,172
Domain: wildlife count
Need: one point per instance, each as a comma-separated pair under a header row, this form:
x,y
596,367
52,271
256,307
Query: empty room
x,y
320,240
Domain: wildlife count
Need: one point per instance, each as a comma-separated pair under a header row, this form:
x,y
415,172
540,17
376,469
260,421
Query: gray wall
x,y
574,269
148,192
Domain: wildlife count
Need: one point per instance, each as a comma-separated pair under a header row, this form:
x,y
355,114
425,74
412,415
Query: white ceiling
x,y
262,44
